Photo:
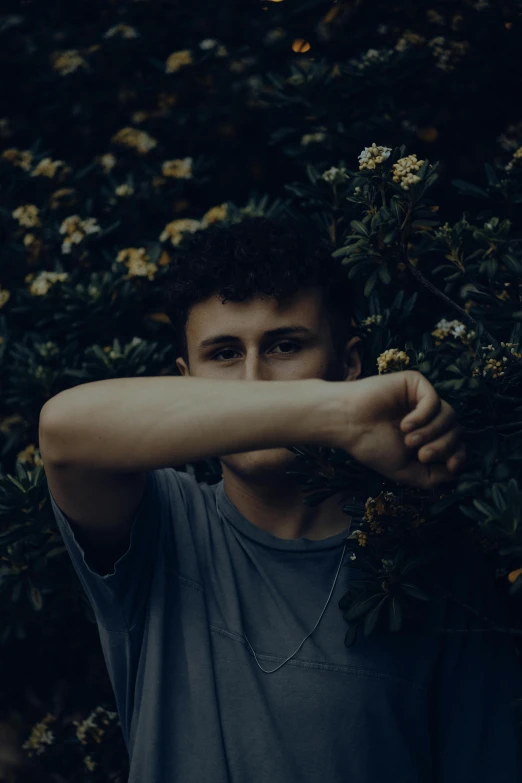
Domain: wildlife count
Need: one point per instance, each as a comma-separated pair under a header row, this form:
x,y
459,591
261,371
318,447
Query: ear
x,y
352,360
182,367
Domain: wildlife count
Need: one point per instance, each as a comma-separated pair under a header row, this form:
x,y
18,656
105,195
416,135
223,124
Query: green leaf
x,y
372,617
375,221
359,227
370,283
351,635
388,239
395,614
345,251
498,497
468,189
414,591
361,607
313,174
15,482
484,507
512,264
384,274
470,512
508,550
395,206
444,386
491,174
35,597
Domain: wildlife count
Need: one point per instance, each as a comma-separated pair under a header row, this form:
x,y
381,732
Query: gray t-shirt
x,y
195,707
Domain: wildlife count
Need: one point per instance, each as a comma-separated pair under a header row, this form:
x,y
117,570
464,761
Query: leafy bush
x,y
130,125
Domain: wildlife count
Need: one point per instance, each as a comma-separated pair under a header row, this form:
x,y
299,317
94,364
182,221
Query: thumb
x,y
423,401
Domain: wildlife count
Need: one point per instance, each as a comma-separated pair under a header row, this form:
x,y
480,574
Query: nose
x,y
254,368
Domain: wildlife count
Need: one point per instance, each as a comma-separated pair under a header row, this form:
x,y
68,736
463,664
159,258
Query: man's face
x,y
249,354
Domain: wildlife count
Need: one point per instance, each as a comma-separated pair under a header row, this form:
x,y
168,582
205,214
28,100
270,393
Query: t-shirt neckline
x,y
232,515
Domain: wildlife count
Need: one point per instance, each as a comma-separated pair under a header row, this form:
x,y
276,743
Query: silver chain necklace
x,y
311,632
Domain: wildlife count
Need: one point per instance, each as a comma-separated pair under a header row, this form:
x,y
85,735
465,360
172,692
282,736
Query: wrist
x,y
330,414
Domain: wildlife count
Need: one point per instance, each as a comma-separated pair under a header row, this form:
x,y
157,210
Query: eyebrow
x,y
282,330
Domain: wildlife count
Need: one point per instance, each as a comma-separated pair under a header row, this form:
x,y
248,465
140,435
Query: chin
x,y
264,462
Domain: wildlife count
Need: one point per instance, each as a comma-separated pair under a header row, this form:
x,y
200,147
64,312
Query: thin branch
x,y
437,292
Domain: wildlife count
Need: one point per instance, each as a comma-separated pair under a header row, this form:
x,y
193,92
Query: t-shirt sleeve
x,y
118,598
477,692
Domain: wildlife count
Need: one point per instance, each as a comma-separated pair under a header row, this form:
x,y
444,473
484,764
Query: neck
x,y
276,505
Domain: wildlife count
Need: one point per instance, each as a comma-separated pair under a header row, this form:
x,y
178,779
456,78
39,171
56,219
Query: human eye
x,y
230,350
224,350
289,342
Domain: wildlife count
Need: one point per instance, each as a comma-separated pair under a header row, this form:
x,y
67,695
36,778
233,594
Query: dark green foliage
x,y
267,118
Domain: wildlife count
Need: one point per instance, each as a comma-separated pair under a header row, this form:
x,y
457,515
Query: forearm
x,y
133,424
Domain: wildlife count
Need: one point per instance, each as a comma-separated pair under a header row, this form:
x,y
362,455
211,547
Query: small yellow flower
x,y
21,158
27,215
177,59
175,229
90,763
392,360
62,197
214,214
40,736
372,156
403,171
310,137
122,31
5,296
107,161
124,190
132,254
76,230
179,168
90,729
137,262
67,61
46,168
135,139
5,128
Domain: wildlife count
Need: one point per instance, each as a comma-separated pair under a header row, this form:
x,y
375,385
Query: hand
x,y
372,426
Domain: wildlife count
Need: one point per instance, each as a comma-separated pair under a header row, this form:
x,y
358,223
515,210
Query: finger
x,y
425,476
438,474
442,423
441,449
424,398
458,460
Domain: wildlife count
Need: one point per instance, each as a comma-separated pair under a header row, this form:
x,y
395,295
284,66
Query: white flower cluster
x,y
392,360
335,176
213,43
403,171
372,57
517,157
122,31
372,319
371,156
76,230
309,137
455,328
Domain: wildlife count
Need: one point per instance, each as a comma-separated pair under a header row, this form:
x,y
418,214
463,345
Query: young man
x,y
217,606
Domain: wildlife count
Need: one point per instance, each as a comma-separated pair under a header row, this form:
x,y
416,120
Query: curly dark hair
x,y
258,256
